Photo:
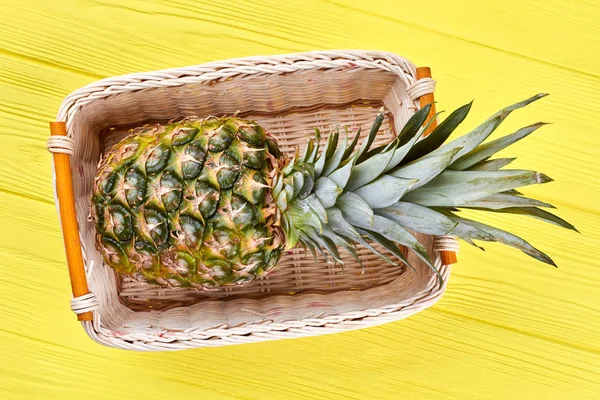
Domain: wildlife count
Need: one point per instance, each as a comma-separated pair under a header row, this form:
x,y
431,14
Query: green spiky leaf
x,y
320,164
335,136
400,153
419,250
317,207
341,226
384,191
503,200
309,240
484,151
352,204
472,243
425,169
298,182
303,214
491,165
536,213
408,132
336,158
342,174
343,242
452,188
439,135
368,170
425,220
308,151
327,245
387,228
387,244
418,218
307,185
277,185
327,191
351,146
289,190
474,138
510,240
291,233
412,126
366,144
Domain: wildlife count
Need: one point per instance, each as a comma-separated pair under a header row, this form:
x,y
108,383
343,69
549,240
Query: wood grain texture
x,y
507,328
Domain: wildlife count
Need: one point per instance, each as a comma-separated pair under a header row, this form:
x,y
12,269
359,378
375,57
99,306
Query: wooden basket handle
x,y
68,217
448,257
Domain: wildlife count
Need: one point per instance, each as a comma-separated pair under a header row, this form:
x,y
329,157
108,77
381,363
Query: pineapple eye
x,y
273,258
193,161
220,140
256,263
251,186
126,153
252,134
218,267
107,181
121,221
210,199
254,158
192,231
273,147
158,159
170,189
236,150
157,226
229,170
259,191
114,254
179,263
135,187
98,213
141,246
144,256
240,280
184,135
222,245
242,212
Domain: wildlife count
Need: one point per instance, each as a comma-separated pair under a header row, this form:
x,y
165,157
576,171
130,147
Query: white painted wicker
x,y
289,95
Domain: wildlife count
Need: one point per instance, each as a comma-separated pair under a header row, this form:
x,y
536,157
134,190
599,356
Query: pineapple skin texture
x,y
189,203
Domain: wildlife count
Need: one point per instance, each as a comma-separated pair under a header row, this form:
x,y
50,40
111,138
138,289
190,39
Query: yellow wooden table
x,y
507,328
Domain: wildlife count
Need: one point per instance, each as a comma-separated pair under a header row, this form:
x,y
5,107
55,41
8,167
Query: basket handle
x,y
448,257
68,216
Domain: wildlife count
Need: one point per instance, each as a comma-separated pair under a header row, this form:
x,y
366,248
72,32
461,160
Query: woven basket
x,y
289,95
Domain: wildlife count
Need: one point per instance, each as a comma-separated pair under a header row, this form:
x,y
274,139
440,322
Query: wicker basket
x,y
289,95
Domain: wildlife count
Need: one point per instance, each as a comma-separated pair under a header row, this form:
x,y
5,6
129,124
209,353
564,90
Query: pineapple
x,y
213,202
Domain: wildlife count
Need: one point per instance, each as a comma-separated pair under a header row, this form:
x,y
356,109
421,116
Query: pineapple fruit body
x,y
187,203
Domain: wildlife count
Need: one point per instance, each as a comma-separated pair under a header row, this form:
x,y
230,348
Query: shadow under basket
x,y
289,95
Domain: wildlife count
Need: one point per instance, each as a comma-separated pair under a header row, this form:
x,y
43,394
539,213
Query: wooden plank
x,y
507,328
524,27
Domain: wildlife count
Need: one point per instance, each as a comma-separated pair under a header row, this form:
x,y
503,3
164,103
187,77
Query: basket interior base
x,y
297,272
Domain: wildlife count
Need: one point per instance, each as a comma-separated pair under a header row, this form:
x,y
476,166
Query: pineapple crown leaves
x,y
338,195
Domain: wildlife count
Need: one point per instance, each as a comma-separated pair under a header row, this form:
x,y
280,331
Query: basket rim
x,y
256,66
223,69
268,330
